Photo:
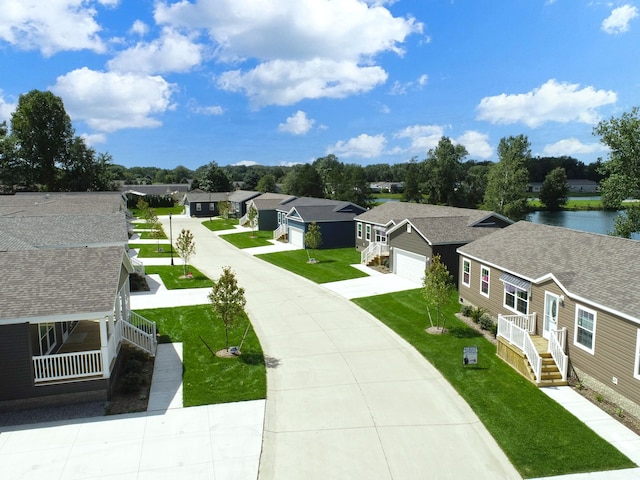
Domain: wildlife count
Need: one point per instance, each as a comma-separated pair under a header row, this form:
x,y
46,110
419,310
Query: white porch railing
x,y
516,329
557,344
140,332
66,366
244,219
280,231
374,250
138,266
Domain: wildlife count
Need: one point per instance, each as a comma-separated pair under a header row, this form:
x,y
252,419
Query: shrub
x,y
485,321
131,382
466,310
476,314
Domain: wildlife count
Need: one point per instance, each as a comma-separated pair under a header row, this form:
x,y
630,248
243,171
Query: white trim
x,y
488,281
367,232
359,230
636,365
575,329
514,309
468,262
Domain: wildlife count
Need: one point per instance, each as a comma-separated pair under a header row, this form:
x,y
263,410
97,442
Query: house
x,y
72,203
408,235
575,186
566,302
198,203
238,200
266,205
64,293
334,217
172,191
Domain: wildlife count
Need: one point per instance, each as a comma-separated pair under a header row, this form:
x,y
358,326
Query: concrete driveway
x,y
347,398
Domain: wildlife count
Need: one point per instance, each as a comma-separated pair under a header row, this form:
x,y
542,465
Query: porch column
x,y
104,346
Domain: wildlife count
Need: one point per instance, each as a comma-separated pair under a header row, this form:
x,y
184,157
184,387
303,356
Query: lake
x,y
595,221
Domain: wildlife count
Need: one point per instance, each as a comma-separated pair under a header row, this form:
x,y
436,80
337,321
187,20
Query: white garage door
x,y
409,265
296,237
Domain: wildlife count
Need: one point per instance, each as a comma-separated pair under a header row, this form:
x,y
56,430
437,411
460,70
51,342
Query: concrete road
x,y
347,398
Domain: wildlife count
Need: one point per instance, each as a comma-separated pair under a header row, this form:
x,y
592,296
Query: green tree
x,y
555,189
437,288
354,186
627,223
312,240
267,184
156,231
330,170
227,300
224,207
214,179
303,181
508,179
444,171
412,191
252,216
10,174
473,186
185,246
622,136
43,134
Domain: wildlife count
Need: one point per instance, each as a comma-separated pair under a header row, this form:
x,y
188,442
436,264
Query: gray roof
x,y
43,283
63,231
240,196
203,197
270,201
449,230
395,212
600,269
73,203
157,189
322,210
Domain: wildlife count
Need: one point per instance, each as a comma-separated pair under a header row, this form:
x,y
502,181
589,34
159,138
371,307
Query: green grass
x,y
220,224
142,226
148,235
147,250
208,379
177,210
573,204
170,276
334,264
243,240
537,434
395,196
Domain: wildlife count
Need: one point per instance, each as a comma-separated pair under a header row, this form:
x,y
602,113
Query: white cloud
x,y
6,109
284,83
401,88
245,163
297,124
618,21
301,49
572,146
364,146
553,101
139,28
423,79
208,110
423,137
92,139
111,101
476,143
171,52
57,26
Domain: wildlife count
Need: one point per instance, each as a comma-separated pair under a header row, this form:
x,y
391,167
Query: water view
x,y
595,221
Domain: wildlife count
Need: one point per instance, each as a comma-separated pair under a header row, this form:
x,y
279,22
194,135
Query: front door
x,y
550,313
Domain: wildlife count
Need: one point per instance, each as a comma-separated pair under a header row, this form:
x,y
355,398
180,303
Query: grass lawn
x,y
177,210
537,434
170,276
243,239
334,264
141,226
573,204
146,250
149,235
220,224
208,379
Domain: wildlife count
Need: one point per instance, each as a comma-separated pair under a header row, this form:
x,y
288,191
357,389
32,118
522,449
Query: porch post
x,y
104,346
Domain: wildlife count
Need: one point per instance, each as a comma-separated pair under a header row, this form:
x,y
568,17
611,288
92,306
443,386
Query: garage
x,y
296,237
409,265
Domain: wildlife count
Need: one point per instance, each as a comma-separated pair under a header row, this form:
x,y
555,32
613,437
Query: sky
x,y
281,82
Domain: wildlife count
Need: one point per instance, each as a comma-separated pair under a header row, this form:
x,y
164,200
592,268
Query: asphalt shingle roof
x,y
242,195
600,268
72,203
321,209
200,196
270,201
443,230
398,211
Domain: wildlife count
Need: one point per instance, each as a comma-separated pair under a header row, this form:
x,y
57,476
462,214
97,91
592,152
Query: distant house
x,y
266,205
565,301
335,219
72,203
410,234
174,191
238,200
198,203
575,186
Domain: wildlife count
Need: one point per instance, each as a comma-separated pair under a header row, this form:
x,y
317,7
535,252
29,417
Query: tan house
x,y
567,303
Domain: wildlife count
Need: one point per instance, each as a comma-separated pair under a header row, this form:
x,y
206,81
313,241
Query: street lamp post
x,y
171,237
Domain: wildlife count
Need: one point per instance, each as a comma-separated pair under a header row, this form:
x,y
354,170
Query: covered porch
x,y
542,360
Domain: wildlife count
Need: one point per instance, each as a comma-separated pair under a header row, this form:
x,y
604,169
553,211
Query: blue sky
x,y
279,82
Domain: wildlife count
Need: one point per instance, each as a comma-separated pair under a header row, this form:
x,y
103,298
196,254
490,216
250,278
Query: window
x,y
47,337
381,235
466,272
516,298
368,233
198,207
636,368
484,281
212,206
359,229
585,332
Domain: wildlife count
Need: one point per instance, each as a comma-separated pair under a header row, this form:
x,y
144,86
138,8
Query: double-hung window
x,y
359,229
381,236
198,207
585,328
485,274
367,230
466,272
516,298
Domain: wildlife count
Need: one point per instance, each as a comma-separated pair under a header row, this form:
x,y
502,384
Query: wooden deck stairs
x,y
550,375
378,260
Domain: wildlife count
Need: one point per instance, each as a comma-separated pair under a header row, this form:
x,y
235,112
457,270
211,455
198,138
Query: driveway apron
x,y
346,397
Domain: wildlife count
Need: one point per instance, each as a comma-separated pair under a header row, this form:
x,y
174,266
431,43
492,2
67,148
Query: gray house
x,y
566,301
198,203
238,200
266,205
408,235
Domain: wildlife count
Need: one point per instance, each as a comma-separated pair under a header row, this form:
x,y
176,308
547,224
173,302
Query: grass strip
x,y
152,235
208,379
249,239
333,264
539,436
146,250
218,224
170,276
